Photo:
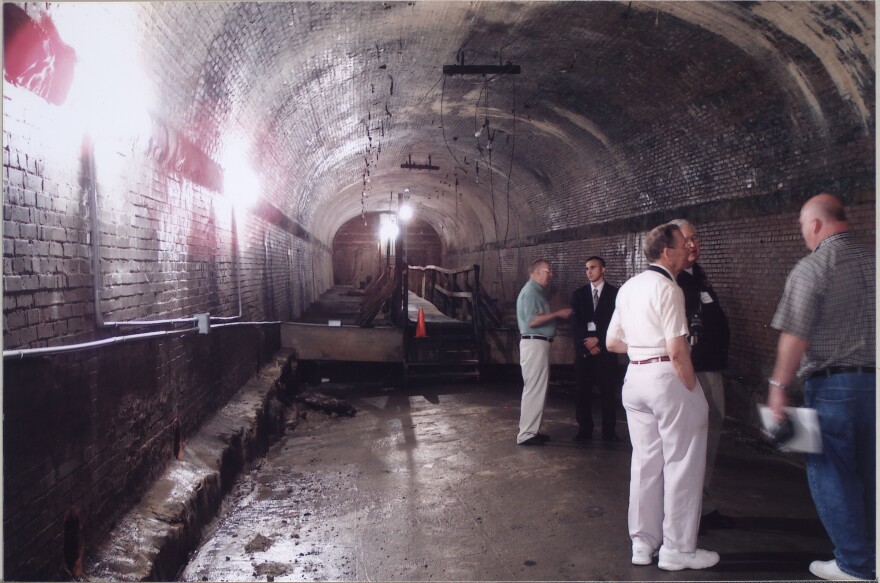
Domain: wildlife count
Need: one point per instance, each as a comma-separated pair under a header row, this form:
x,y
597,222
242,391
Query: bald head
x,y
822,216
826,207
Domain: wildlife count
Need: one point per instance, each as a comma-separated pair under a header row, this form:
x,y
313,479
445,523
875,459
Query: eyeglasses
x,y
545,270
692,239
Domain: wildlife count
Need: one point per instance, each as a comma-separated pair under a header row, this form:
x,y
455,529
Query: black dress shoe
x,y
532,441
610,438
543,437
582,436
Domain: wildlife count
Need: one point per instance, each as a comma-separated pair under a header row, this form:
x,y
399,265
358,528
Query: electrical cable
x,y
495,214
443,127
485,87
510,169
489,166
50,350
419,102
492,190
491,181
113,340
231,324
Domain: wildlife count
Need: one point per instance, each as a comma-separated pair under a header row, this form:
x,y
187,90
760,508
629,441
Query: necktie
x,y
595,298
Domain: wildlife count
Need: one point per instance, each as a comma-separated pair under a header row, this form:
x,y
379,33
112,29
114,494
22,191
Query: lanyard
x,y
660,270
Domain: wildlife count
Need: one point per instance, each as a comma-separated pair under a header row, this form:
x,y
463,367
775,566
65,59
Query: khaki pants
x,y
713,388
667,426
534,358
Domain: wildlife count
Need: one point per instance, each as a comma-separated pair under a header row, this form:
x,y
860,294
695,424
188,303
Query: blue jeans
x,y
842,478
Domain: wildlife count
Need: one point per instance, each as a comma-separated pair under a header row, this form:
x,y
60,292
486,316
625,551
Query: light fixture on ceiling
x,y
409,165
506,69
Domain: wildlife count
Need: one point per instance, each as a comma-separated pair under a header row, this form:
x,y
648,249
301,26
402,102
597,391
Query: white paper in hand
x,y
807,436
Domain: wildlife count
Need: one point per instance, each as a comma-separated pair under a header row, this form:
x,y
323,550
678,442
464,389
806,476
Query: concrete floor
x,y
428,484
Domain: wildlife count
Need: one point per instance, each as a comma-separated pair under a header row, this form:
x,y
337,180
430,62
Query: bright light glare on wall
x,y
241,185
405,213
388,231
387,228
110,96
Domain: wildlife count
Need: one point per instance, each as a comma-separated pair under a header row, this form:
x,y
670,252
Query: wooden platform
x,y
313,339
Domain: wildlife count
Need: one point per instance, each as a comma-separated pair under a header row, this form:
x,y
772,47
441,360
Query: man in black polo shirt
x,y
709,339
827,318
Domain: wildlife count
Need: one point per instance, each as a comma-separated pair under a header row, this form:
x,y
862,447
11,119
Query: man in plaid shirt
x,y
827,322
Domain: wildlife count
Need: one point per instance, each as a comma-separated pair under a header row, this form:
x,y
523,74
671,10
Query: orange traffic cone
x,y
421,331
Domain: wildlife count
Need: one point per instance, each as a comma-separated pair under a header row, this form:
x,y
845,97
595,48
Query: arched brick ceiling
x,y
621,107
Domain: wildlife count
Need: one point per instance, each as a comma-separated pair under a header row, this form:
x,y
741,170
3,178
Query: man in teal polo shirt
x,y
537,326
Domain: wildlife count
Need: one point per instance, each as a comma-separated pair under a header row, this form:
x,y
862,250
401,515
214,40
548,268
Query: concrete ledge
x,y
347,343
152,541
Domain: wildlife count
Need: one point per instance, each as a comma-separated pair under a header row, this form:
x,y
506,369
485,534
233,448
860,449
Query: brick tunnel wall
x,y
356,253
85,434
89,430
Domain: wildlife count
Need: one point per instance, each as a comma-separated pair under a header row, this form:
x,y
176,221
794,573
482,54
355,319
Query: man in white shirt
x,y
666,410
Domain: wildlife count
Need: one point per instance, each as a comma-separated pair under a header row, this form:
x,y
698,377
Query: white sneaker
x,y
830,571
676,561
643,553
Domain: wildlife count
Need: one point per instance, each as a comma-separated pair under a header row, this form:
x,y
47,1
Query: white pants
x,y
713,388
534,358
667,426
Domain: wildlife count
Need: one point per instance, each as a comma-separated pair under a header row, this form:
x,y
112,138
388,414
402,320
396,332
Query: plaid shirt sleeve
x,y
799,306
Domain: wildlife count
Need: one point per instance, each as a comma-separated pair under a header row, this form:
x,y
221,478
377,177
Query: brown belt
x,y
650,360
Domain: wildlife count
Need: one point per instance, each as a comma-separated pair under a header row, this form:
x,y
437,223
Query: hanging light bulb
x,y
480,131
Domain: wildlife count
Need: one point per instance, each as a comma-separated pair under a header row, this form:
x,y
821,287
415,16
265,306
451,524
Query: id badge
x,y
591,327
705,297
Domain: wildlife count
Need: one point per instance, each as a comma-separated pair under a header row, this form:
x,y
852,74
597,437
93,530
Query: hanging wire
x,y
489,165
443,127
429,91
510,169
485,87
490,140
492,189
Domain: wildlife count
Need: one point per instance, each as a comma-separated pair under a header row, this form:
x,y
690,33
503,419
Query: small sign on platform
x,y
334,322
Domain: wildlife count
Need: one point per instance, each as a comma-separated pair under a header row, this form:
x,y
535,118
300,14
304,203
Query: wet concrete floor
x,y
427,484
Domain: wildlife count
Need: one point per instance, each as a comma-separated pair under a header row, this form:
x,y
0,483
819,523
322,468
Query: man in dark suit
x,y
593,305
